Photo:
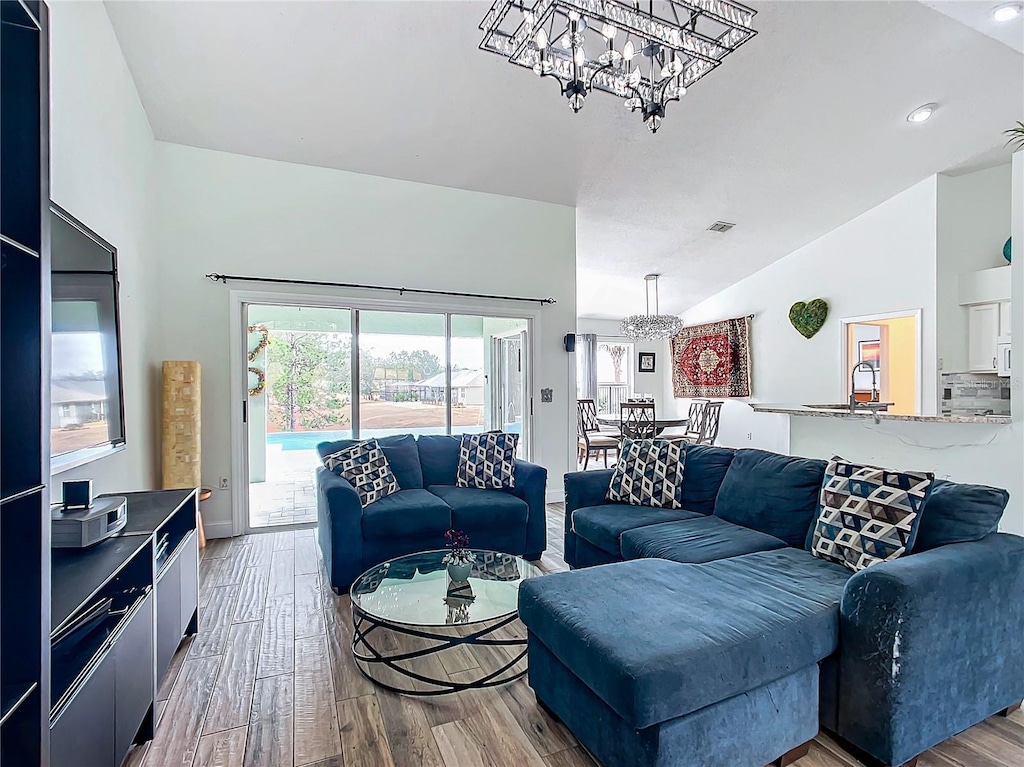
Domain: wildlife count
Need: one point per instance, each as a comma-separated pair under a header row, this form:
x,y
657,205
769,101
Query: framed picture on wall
x,y
645,362
870,352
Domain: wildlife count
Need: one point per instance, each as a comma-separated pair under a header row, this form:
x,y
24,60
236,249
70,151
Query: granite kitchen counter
x,y
825,412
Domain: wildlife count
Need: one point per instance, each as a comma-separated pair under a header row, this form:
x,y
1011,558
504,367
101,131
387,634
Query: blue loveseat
x,y
354,539
709,635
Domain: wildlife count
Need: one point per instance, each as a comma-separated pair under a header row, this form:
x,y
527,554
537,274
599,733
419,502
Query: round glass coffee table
x,y
418,632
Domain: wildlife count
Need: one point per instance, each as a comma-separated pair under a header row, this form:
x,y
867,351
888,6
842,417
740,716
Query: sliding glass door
x,y
299,369
319,374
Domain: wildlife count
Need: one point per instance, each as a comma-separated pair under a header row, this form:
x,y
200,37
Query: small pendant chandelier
x,y
650,327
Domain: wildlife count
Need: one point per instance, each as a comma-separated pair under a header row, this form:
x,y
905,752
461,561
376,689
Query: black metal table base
x,y
374,662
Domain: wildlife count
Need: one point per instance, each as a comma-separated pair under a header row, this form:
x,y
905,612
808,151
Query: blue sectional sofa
x,y
354,539
710,635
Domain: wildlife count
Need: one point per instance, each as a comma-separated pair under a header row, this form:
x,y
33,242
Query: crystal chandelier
x,y
622,47
649,327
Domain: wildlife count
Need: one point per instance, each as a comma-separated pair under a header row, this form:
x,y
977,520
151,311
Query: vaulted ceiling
x,y
797,132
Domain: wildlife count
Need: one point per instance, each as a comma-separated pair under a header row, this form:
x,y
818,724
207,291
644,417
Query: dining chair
x,y
637,420
711,421
695,420
590,438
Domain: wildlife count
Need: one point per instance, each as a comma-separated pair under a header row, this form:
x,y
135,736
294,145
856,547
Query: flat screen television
x,y
86,395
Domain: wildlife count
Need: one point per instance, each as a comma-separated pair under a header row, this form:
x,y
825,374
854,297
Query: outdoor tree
x,y
617,352
309,377
412,366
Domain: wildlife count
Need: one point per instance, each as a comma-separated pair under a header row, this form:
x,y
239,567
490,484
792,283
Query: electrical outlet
x,y
223,483
750,436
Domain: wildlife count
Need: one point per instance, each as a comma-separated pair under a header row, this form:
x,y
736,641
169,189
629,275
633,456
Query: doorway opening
x,y
321,373
883,361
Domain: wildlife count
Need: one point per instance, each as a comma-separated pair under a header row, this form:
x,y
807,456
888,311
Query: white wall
x,y
220,212
101,172
973,223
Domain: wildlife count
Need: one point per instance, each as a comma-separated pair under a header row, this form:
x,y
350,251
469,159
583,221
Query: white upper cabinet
x,y
1004,321
983,338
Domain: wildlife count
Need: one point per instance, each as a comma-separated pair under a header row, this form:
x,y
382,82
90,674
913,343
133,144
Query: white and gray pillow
x,y
868,514
366,467
487,461
649,473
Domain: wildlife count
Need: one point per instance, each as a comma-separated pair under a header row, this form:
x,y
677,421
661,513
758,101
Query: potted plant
x,y
458,558
1015,136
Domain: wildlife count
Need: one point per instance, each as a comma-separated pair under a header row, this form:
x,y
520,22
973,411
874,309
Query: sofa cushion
x,y
957,513
475,509
406,514
719,632
705,469
366,467
401,452
772,493
649,472
705,539
487,461
439,458
602,525
868,514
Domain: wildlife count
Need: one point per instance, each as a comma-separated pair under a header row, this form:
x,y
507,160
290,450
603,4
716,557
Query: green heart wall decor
x,y
808,318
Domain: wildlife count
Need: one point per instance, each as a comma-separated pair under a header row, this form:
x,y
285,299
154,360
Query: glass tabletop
x,y
417,589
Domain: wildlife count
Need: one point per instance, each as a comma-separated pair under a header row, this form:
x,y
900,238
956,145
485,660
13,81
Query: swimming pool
x,y
308,440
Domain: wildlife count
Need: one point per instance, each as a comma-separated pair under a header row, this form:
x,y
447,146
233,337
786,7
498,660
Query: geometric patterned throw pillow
x,y
366,467
868,515
487,461
649,473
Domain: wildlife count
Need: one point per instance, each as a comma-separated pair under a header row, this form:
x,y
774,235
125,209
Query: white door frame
x,y
844,350
332,298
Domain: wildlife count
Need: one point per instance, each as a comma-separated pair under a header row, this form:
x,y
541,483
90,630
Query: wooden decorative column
x,y
182,433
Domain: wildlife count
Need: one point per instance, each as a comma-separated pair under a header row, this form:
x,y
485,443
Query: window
x,y
614,374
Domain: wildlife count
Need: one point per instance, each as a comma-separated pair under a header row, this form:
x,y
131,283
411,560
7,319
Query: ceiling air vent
x,y
721,226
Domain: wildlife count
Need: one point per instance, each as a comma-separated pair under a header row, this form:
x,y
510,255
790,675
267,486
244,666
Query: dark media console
x,y
119,611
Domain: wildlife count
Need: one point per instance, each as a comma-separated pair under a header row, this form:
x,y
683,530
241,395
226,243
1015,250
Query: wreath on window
x,y
262,344
261,382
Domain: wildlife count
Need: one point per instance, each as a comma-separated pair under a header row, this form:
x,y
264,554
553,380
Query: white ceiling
x,y
977,14
797,132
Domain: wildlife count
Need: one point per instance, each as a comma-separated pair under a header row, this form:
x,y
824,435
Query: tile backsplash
x,y
975,393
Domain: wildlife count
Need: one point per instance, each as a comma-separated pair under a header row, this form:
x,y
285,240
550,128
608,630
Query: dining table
x,y
660,424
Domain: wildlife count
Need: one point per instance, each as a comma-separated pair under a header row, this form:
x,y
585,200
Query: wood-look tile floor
x,y
270,682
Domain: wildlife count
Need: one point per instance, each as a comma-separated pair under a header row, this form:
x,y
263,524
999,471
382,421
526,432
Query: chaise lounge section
x,y
710,635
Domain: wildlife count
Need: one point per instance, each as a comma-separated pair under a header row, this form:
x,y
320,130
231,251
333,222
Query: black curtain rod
x,y
401,291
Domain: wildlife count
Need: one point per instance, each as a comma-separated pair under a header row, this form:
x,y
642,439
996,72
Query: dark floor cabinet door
x,y
99,724
176,601
83,735
134,687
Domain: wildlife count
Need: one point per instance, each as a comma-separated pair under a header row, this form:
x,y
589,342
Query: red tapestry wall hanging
x,y
712,360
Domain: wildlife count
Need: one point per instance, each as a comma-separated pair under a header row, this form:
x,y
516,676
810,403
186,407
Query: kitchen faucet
x,y
874,384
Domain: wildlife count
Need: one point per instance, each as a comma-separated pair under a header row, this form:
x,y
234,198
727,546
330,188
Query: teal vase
x,y
1006,249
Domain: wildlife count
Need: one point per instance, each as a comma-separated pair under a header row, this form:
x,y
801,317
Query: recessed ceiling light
x,y
922,113
1008,12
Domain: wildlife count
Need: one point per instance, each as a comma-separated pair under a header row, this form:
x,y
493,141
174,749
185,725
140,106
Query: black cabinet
x,y
123,604
113,700
82,735
168,618
134,690
24,384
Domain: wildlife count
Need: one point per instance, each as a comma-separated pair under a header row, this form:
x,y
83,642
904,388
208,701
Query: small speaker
x,y
570,342
77,494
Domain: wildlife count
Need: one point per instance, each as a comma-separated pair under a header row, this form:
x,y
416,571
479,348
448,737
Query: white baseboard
x,y
554,496
217,529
